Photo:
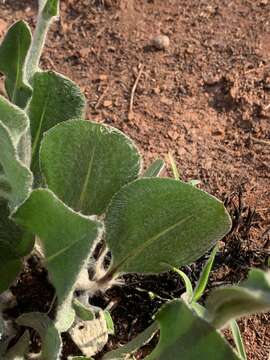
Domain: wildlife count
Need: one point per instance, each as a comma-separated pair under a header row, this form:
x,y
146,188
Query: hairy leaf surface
x,y
182,332
66,237
55,99
50,337
155,221
86,163
13,51
227,303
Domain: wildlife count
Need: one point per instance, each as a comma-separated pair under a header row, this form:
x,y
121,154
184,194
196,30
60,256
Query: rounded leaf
x,y
85,163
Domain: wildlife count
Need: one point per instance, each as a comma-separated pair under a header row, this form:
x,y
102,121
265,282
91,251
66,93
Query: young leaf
x,y
55,99
227,303
20,350
187,282
174,167
238,339
50,9
203,280
109,322
155,221
86,163
125,351
50,337
17,123
183,332
16,179
83,312
155,169
13,51
66,237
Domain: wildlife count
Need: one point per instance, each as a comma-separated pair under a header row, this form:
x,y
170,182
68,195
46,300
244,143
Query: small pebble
x,y
161,42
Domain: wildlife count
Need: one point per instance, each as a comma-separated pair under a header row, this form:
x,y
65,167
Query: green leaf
x,y
109,322
13,51
20,350
252,296
9,270
183,332
67,238
174,167
187,282
50,9
155,169
79,358
238,339
140,340
55,99
16,179
203,280
82,311
155,221
50,337
86,163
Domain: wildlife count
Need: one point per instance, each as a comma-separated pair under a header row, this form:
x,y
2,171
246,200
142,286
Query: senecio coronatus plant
x,y
69,187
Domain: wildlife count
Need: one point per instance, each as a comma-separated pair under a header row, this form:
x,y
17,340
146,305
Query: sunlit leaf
x,y
13,51
155,221
86,163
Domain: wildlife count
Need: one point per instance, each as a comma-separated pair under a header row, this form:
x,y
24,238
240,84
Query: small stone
x,y
161,42
107,103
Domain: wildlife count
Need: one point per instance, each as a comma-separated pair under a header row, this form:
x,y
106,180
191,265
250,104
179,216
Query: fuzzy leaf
x,y
16,179
182,332
237,338
20,350
9,270
155,221
13,51
55,99
252,296
126,350
86,163
50,337
50,9
66,237
82,311
154,169
203,280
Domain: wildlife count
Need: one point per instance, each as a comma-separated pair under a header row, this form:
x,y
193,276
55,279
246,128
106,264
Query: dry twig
x,y
134,88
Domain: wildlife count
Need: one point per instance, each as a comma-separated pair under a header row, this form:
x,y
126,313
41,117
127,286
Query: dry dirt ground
x,y
206,100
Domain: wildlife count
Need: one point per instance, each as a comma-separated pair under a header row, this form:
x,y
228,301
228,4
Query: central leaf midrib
x,y
149,241
86,181
35,143
66,248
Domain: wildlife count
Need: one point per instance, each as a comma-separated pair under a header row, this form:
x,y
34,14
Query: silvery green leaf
x,y
155,169
19,351
154,221
15,177
183,332
86,163
125,352
66,237
13,51
251,296
55,99
50,337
